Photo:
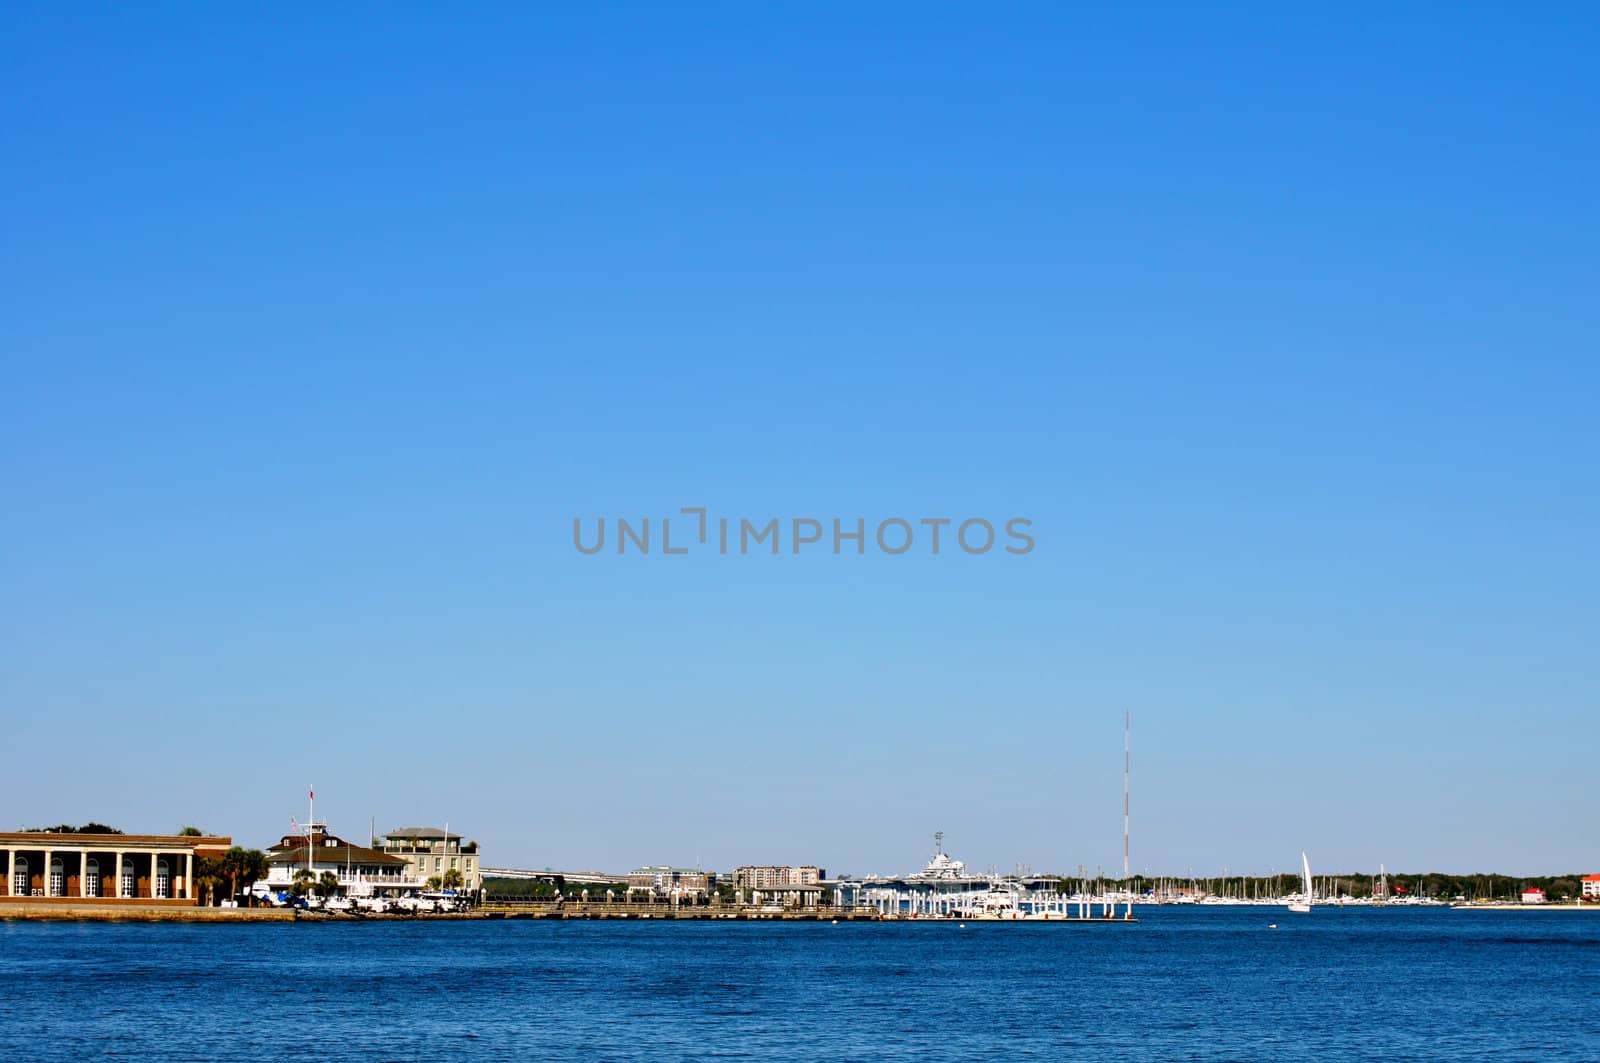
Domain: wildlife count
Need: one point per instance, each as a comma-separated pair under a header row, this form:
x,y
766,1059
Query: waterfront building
x,y
750,877
429,852
672,883
105,868
787,895
361,871
1591,887
1534,895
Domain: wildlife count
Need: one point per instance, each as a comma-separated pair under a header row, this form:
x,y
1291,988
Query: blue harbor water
x,y
1185,983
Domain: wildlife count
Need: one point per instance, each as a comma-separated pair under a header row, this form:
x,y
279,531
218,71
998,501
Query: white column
x,y
188,875
48,854
117,874
83,872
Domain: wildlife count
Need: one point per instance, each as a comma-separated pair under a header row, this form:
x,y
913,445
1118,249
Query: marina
x,y
945,889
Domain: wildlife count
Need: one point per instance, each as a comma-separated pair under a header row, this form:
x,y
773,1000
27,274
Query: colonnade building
x,y
104,868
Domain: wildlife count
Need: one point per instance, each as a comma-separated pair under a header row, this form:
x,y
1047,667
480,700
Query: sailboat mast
x,y
1127,747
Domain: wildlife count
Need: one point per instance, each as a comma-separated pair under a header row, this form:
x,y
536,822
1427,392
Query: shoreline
x,y
583,912
94,913
141,913
1511,906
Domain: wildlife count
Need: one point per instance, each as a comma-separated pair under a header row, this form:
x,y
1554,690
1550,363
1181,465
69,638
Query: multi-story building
x,y
1591,887
429,852
104,868
671,883
760,877
360,870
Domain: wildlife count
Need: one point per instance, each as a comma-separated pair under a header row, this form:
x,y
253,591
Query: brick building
x,y
671,883
769,876
104,868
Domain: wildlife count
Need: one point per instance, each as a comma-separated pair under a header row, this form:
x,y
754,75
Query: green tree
x,y
243,868
252,868
208,876
328,884
191,832
229,869
303,879
451,880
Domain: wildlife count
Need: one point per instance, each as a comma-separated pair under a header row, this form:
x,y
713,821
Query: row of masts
x,y
1001,900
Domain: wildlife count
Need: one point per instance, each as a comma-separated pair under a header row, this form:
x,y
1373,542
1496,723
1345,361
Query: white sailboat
x,y
1303,905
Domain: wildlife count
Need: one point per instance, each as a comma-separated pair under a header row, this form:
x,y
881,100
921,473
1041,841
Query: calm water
x,y
1184,984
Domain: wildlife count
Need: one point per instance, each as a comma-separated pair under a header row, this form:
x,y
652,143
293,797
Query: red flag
x,y
313,795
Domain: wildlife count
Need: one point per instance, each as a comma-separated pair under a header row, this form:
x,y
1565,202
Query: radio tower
x,y
1127,747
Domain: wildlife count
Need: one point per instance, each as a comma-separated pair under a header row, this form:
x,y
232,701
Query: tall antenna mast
x,y
1127,748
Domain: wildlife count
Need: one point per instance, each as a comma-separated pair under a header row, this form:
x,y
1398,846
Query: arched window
x,y
19,878
91,878
163,882
57,879
127,877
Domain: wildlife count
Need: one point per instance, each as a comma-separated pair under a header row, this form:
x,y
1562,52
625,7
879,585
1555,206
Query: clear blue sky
x,y
318,330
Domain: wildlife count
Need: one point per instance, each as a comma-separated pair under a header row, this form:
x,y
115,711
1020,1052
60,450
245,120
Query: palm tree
x,y
252,868
243,868
303,878
230,869
208,875
328,884
451,879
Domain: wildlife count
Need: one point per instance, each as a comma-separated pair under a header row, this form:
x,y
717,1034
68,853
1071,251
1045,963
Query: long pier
x,y
512,910
668,911
665,910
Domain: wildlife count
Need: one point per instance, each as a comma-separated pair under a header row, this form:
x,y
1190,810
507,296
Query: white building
x,y
360,871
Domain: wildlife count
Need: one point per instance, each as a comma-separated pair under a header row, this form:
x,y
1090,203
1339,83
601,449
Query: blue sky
x,y
317,331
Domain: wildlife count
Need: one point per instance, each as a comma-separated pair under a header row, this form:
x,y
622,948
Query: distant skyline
x,y
319,329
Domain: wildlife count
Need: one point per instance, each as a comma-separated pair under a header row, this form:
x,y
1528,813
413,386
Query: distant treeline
x,y
1478,887
96,828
